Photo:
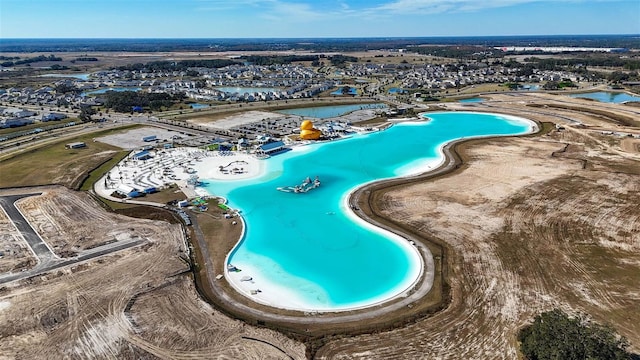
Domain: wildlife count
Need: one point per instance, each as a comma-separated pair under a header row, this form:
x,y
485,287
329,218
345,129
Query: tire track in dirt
x,y
516,255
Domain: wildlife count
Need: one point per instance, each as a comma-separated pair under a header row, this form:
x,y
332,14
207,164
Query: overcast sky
x,y
313,18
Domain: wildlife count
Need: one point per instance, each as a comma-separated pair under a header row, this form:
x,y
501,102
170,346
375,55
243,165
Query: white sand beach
x,y
182,166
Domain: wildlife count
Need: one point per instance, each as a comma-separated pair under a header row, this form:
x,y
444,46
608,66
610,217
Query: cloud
x,y
219,5
281,10
441,6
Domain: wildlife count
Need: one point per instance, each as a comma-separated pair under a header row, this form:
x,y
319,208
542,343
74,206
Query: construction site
x,y
517,226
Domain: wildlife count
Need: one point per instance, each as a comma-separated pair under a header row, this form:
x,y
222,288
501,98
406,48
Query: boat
x,y
305,186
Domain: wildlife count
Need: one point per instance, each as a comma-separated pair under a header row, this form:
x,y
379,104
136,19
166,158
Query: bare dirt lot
x,y
529,223
534,224
71,223
134,304
14,253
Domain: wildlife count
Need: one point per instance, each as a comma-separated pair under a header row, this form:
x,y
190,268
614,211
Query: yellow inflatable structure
x,y
308,132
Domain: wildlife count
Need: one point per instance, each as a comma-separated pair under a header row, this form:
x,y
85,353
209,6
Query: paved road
x,y
39,247
47,260
59,263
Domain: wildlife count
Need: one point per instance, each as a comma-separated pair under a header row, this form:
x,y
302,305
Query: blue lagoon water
x,y
608,97
324,112
311,247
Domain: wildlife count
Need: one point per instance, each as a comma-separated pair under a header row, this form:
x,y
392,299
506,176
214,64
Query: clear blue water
x,y
199,106
310,244
352,91
102,91
607,97
324,112
250,90
75,76
471,100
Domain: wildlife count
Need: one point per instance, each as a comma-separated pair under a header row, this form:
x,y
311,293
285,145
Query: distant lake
x,y
75,76
395,90
471,100
352,91
324,112
532,87
199,106
607,97
102,91
250,90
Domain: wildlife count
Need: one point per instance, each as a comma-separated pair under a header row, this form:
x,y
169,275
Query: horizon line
x,y
309,37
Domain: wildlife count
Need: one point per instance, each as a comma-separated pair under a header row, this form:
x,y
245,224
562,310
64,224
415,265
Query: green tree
x,y
556,336
85,113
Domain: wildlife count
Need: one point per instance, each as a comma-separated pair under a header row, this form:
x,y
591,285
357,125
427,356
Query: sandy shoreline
x,y
229,166
277,298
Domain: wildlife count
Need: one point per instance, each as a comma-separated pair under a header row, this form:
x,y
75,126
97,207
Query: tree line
x,y
31,60
127,101
181,65
598,60
554,335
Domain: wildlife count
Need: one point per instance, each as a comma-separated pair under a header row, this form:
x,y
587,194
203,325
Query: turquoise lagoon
x,y
325,112
309,251
607,97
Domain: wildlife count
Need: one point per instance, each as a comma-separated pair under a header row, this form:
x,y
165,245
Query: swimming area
x,y
324,112
310,251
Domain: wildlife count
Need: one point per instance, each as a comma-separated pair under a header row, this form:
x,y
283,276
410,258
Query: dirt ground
x,y
535,223
531,223
133,304
15,255
71,223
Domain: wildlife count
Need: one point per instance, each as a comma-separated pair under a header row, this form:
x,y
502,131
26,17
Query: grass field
x,y
54,164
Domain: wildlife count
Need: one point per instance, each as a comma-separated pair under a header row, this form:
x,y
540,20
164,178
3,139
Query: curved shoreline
x,y
423,283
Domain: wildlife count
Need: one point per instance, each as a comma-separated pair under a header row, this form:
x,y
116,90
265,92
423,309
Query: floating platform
x,y
304,187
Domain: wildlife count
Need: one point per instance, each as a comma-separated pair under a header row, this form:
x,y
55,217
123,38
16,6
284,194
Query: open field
x,y
53,164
